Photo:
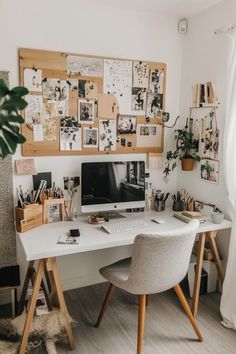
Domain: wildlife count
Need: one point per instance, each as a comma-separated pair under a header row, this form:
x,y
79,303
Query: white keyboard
x,y
125,226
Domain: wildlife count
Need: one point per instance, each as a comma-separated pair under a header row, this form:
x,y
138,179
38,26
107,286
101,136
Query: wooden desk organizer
x,y
29,217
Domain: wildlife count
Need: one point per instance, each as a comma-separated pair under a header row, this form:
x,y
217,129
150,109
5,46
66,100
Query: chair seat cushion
x,y
117,273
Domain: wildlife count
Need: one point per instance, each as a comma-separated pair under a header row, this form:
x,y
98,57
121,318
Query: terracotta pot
x,y
187,164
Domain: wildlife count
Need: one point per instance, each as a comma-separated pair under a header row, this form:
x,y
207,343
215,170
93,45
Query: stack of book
x,y
187,216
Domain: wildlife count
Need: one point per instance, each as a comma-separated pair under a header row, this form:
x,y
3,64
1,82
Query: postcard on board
x,y
34,110
84,66
149,135
86,111
33,80
140,74
70,134
57,91
90,137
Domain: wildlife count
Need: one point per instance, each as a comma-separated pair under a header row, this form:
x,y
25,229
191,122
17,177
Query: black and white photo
x,y
70,134
107,135
140,74
90,137
86,111
139,99
57,91
127,124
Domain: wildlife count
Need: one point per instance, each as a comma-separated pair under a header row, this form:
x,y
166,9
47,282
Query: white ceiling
x,y
178,8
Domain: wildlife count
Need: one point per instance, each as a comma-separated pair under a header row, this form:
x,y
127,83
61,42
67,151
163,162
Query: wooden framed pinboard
x,y
147,103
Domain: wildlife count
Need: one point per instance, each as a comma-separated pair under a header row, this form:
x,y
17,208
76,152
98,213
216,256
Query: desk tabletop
x,y
41,242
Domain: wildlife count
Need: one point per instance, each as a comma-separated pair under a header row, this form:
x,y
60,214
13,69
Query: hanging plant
x,y
11,102
186,151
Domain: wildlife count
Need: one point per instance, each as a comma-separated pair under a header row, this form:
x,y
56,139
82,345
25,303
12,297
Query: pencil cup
x,y
179,205
160,205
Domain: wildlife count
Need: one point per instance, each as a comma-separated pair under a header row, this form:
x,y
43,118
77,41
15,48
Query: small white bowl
x,y
217,217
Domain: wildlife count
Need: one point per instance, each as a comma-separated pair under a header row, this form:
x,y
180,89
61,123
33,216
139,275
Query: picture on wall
x,y
70,134
57,91
148,135
154,104
140,74
84,66
156,81
33,80
209,170
90,137
73,85
107,135
34,110
71,183
127,124
139,99
86,111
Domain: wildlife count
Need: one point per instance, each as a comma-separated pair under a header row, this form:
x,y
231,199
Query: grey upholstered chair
x,y
158,263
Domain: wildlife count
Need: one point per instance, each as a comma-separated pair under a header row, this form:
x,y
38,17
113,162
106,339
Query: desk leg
x,y
211,238
32,306
197,280
25,286
52,268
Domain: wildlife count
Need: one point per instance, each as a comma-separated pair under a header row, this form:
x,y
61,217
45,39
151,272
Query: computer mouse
x,y
159,221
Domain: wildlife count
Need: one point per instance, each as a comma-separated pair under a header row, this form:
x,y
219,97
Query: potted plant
x,y
11,102
186,151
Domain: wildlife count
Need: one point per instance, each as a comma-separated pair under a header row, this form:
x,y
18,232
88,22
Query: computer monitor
x,y
117,185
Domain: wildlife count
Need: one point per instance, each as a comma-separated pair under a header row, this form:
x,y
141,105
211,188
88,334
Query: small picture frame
x,y
53,210
86,111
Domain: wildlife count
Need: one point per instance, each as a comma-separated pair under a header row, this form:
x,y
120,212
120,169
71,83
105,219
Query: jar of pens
x,y
160,200
182,201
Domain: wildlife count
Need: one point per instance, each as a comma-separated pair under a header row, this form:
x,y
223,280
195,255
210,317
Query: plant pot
x,y
187,164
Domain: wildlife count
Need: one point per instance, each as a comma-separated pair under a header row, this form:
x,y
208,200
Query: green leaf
x,y
14,103
174,165
15,119
13,133
4,151
20,91
3,88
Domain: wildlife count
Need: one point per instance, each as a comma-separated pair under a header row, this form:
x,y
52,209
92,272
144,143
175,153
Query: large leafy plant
x,y
11,102
186,148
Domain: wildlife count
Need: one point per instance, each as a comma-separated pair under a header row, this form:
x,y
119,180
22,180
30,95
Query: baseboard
x,y
80,282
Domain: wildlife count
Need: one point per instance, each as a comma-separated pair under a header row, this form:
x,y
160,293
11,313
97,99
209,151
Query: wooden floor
x,y
167,330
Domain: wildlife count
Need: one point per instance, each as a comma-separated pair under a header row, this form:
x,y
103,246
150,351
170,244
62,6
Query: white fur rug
x,y
46,330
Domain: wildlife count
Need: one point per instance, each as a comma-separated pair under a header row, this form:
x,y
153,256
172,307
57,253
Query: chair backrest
x,y
159,262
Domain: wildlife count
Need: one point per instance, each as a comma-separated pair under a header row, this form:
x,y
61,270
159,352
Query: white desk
x,y
41,244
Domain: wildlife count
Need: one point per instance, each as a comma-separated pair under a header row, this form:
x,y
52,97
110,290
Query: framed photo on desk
x,y
53,210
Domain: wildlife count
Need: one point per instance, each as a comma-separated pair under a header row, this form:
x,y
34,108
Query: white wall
x,y
83,27
205,59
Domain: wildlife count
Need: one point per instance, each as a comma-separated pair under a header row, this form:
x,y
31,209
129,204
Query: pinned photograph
x,y
49,110
70,134
71,183
210,170
149,135
139,99
57,91
88,89
86,111
156,83
107,135
154,104
127,125
90,137
50,129
84,66
33,80
140,74
34,110
73,85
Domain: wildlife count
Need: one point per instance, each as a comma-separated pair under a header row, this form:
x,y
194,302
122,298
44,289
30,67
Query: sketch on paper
x,y
33,80
34,110
90,137
38,132
127,125
57,91
86,111
70,134
140,74
107,135
88,89
49,110
209,170
209,137
84,66
139,99
156,81
148,135
118,82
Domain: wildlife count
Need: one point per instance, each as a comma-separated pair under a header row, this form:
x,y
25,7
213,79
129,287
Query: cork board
x,y
54,65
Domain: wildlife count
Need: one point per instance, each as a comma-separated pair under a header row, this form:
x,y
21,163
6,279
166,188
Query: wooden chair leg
x,y
186,307
108,297
141,318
